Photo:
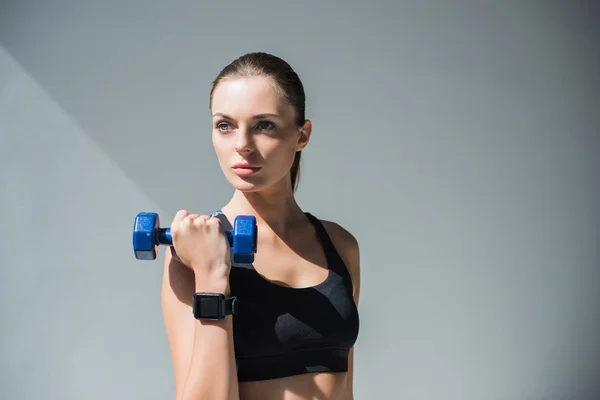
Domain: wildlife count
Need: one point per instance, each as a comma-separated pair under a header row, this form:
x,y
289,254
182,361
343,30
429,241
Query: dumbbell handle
x,y
163,236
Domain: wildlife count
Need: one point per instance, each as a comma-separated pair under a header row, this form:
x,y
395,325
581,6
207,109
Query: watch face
x,y
207,306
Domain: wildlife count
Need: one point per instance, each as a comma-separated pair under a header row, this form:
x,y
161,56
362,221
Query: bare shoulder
x,y
347,245
341,236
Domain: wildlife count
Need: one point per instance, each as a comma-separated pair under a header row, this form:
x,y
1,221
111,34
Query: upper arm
x,y
347,245
176,295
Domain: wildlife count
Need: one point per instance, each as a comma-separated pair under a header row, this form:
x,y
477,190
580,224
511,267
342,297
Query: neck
x,y
275,207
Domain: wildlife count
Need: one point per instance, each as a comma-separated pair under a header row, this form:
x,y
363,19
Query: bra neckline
x,y
292,288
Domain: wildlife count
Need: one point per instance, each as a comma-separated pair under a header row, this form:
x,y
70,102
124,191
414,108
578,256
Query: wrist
x,y
212,284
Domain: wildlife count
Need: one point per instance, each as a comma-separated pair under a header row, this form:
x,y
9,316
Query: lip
x,y
245,165
243,169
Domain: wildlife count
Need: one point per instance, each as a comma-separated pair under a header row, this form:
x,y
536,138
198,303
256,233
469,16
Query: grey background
x,y
457,140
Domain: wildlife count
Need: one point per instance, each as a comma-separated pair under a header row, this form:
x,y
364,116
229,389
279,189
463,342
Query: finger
x,y
187,221
180,215
201,220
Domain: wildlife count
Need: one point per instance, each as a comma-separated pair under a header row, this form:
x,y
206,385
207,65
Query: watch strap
x,y
230,305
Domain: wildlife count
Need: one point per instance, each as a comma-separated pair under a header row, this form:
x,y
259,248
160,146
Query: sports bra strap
x,y
335,261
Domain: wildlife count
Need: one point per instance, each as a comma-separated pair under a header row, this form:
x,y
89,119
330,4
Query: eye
x,y
222,126
265,126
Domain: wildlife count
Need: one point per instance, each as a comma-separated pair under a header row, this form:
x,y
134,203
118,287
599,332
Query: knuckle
x,y
201,220
181,213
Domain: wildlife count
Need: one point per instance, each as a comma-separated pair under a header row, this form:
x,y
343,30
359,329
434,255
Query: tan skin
x,y
289,252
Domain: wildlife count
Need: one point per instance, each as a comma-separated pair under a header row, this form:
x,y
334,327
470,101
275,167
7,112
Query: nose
x,y
243,144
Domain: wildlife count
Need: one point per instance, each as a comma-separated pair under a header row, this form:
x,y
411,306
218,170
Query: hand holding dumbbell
x,y
148,235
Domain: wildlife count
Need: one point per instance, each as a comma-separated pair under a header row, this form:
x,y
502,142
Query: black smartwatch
x,y
213,306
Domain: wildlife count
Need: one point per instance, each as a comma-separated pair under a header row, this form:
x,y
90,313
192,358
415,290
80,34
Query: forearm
x,y
212,373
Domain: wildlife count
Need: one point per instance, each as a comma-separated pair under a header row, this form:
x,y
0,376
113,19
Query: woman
x,y
296,322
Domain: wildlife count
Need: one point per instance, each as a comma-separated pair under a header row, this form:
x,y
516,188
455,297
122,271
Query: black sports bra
x,y
281,331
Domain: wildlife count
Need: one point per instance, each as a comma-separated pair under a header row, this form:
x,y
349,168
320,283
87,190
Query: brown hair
x,y
287,80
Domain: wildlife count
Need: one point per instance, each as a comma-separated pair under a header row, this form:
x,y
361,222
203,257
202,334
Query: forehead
x,y
247,96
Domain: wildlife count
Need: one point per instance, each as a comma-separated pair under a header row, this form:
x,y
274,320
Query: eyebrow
x,y
254,117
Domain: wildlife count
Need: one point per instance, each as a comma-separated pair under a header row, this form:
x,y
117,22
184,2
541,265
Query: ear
x,y
304,137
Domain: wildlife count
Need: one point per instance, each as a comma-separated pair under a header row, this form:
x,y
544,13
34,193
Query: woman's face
x,y
254,133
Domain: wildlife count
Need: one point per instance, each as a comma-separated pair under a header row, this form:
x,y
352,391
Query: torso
x,y
321,386
289,269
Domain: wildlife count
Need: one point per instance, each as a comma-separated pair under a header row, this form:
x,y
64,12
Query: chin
x,y
253,186
247,188
245,185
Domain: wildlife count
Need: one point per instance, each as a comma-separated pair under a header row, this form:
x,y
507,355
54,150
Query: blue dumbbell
x,y
148,235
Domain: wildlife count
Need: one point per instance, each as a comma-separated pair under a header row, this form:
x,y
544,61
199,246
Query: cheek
x,y
220,147
280,155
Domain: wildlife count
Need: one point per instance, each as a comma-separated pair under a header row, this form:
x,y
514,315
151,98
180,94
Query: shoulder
x,y
347,246
340,235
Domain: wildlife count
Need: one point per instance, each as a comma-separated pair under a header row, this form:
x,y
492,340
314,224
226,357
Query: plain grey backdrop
x,y
457,140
